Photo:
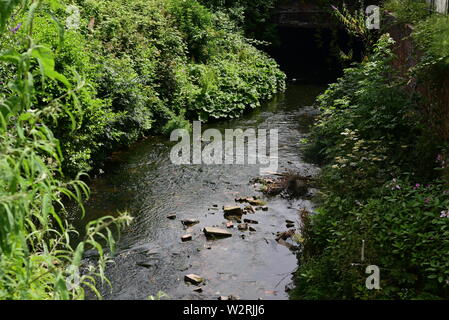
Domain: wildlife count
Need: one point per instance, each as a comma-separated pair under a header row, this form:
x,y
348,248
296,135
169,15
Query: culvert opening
x,y
314,55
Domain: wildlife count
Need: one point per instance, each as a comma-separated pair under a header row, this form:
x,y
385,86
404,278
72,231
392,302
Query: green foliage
x,y
38,258
255,16
144,67
196,25
354,22
70,93
408,11
432,37
379,190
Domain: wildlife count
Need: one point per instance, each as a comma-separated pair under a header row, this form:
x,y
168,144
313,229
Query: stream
x,y
151,256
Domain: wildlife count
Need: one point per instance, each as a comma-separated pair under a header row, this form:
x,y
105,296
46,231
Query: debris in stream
x,y
285,235
193,279
289,184
229,225
290,225
214,232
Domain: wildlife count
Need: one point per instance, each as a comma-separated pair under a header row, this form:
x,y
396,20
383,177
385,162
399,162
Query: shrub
x,y
379,191
39,258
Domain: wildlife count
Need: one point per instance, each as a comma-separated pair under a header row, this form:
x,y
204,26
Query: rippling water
x,y
143,181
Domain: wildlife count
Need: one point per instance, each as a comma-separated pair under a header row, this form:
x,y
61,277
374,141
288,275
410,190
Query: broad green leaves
x,y
44,56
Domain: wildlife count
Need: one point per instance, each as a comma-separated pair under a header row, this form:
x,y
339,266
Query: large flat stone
x,y
216,232
232,211
193,278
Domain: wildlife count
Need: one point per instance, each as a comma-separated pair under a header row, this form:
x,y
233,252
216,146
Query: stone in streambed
x,y
186,237
232,211
193,278
252,229
250,221
256,202
216,232
243,227
190,222
249,209
171,217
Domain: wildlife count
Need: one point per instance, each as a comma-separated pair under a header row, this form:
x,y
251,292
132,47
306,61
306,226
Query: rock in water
x,y
256,202
186,237
232,211
243,227
190,222
250,221
249,209
216,232
193,278
171,217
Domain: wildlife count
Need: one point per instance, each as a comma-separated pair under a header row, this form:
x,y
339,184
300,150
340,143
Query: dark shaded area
x,y
312,55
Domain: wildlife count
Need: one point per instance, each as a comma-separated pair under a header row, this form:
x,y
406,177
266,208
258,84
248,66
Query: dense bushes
x,y
255,16
408,11
74,87
379,191
149,65
38,257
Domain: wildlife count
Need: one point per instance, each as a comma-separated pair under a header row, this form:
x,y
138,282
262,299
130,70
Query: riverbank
x,y
384,199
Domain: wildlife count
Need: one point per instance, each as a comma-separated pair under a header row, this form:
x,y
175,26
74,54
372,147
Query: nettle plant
x,y
40,255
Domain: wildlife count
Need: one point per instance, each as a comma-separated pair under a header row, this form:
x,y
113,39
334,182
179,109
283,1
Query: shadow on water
x,y
151,256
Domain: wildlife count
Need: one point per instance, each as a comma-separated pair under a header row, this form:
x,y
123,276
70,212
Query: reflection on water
x,y
151,256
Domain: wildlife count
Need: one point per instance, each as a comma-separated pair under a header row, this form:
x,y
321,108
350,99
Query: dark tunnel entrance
x,y
313,55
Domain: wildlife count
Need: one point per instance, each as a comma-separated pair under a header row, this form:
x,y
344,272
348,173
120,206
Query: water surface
x,y
143,181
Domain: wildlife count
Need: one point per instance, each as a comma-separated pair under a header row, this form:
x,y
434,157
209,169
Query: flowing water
x,y
151,256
